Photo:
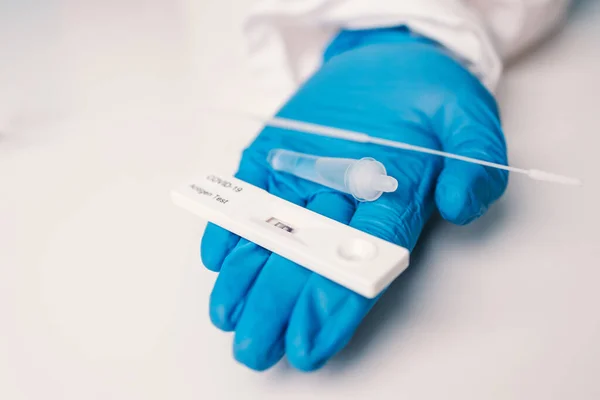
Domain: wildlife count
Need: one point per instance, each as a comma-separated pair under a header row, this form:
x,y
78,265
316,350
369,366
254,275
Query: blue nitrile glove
x,y
387,83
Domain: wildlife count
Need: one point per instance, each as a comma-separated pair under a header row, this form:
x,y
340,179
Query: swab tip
x,y
555,178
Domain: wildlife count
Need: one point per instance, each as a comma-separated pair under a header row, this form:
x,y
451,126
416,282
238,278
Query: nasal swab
x,y
314,129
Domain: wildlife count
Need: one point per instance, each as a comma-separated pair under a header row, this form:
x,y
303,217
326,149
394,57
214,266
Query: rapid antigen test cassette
x,y
354,259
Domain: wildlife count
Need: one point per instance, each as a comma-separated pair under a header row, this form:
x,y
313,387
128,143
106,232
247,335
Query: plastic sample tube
x,y
366,179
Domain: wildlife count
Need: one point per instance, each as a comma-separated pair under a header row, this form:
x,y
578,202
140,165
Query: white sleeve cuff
x,y
287,38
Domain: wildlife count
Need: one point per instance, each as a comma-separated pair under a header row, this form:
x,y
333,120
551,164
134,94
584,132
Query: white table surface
x,y
102,293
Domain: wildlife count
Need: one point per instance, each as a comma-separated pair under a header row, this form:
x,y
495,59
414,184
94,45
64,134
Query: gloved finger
x,y
215,245
323,321
258,341
465,191
260,333
238,273
217,242
327,314
241,267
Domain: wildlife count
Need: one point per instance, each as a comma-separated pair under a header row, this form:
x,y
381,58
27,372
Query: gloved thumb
x,y
465,191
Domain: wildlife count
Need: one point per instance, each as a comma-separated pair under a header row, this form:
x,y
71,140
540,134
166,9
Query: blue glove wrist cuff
x,y
347,40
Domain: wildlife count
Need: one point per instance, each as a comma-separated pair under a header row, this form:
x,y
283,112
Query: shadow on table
x,y
580,6
578,9
395,305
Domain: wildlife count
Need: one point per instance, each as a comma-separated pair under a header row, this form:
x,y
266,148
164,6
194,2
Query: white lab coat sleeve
x,y
287,38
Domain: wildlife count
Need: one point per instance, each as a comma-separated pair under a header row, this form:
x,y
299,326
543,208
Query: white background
x,y
102,293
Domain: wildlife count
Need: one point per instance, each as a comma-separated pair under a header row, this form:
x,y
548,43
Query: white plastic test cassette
x,y
354,259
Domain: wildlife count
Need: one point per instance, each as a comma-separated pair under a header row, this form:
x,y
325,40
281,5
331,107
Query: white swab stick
x,y
321,130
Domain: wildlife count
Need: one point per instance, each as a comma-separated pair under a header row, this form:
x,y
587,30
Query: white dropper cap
x,y
366,179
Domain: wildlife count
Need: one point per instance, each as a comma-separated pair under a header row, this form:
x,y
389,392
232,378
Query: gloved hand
x,y
388,83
